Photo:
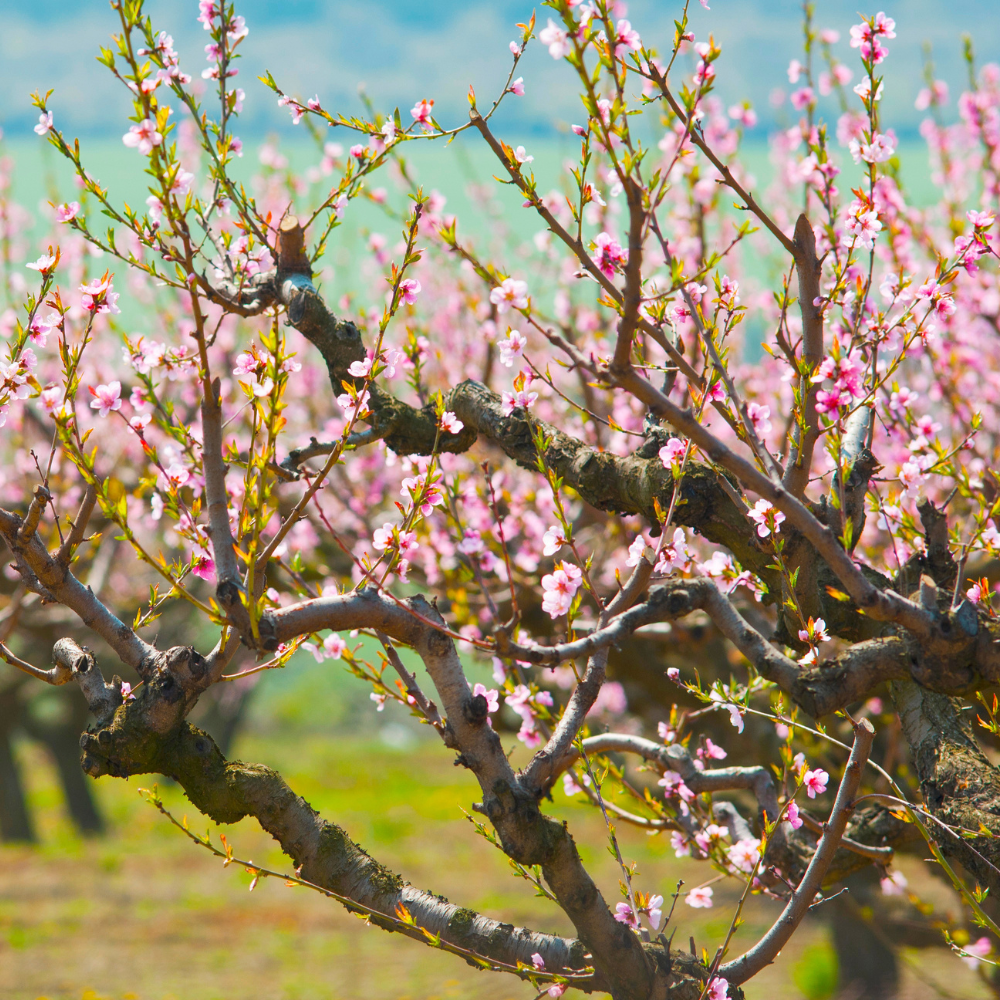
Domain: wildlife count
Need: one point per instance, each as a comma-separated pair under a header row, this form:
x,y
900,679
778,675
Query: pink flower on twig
x,y
106,397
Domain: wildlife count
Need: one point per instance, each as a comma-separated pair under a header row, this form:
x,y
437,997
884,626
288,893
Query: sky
x,y
405,50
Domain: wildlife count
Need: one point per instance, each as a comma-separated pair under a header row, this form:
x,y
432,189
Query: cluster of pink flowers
x,y
559,588
867,37
609,255
525,702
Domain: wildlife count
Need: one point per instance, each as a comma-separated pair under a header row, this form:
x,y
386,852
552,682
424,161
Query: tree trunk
x,y
15,821
867,961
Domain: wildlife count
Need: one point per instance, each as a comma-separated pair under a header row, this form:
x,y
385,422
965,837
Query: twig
x,y
766,950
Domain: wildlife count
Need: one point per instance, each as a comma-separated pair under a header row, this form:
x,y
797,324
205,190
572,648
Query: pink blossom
x,y
866,37
767,517
334,645
106,398
862,225
409,288
422,110
297,110
611,699
521,155
450,424
654,911
553,540
357,151
39,328
44,264
718,989
880,149
44,123
492,697
794,819
202,566
894,884
98,296
713,751
138,423
744,114
127,692
429,495
802,98
354,406
556,39
815,631
626,38
735,713
247,363
672,453
674,787
379,700
609,255
729,292
815,782
624,914
517,87
514,400
143,137
977,950
637,551
759,417
382,537
66,212
981,220
512,347
472,543
744,854
559,588
510,294
700,897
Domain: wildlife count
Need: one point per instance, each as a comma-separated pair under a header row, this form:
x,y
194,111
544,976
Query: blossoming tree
x,y
550,474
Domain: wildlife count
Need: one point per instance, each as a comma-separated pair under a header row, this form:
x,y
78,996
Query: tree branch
x,y
56,582
227,791
809,271
766,950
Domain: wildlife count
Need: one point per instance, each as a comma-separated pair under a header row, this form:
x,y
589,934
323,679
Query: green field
x,y
145,913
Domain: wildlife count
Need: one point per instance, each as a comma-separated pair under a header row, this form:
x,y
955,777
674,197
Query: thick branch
x,y
546,764
526,835
227,791
879,604
676,758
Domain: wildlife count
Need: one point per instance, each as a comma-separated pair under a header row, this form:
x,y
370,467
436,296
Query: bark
x,y
960,787
227,791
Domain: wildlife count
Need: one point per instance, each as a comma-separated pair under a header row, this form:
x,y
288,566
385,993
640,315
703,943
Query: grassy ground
x,y
144,913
